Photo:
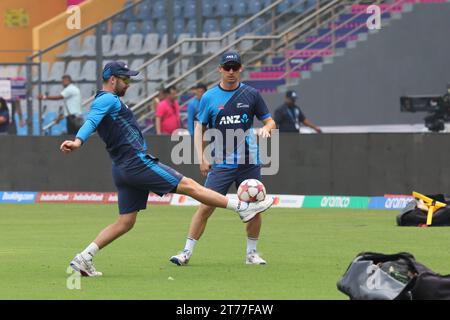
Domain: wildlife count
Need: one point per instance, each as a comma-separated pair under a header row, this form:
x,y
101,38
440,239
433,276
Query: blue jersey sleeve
x,y
192,106
261,110
102,106
204,113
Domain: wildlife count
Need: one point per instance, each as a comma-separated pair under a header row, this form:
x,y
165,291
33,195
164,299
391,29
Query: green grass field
x,y
307,251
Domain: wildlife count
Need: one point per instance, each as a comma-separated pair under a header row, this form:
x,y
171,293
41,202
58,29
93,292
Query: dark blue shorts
x,y
221,179
134,182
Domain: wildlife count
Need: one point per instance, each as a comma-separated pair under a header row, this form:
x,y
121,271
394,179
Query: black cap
x,y
291,94
230,56
117,68
200,85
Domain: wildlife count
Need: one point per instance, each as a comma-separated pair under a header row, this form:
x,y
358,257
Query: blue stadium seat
x,y
177,8
207,9
238,8
245,29
144,11
226,24
104,28
298,6
189,9
210,25
254,7
118,27
192,27
178,26
161,26
223,9
284,6
128,15
260,27
148,27
159,10
310,3
132,27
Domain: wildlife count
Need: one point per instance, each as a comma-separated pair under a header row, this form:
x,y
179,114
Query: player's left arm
x,y
263,114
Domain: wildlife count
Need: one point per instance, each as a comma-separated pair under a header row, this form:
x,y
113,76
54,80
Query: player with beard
x,y
135,172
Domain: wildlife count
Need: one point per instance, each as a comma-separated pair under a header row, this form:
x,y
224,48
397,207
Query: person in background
x,y
289,116
72,105
15,108
193,106
168,113
4,117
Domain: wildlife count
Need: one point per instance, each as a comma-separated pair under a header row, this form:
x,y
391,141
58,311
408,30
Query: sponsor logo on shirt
x,y
236,119
242,105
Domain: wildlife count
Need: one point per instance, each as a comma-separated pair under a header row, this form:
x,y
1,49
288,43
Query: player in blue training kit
x,y
135,172
229,108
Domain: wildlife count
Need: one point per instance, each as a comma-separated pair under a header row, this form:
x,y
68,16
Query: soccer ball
x,y
251,190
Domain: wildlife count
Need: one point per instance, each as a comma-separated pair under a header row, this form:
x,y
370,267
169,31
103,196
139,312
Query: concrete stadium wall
x,y
327,164
363,87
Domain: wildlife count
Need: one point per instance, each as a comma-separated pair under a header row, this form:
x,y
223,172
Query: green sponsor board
x,y
343,202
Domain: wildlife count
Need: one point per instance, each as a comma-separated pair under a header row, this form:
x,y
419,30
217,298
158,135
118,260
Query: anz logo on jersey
x,y
236,119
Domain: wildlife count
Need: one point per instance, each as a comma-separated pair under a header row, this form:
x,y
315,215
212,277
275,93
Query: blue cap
x,y
230,56
117,68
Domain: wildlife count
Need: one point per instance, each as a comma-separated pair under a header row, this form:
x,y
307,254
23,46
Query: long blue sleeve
x,y
192,106
102,106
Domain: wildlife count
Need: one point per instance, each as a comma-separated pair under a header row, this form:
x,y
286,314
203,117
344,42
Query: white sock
x,y
190,245
251,244
236,205
90,251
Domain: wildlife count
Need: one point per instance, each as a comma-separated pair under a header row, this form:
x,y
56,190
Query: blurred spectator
x,y
168,113
15,108
72,105
4,117
289,116
193,106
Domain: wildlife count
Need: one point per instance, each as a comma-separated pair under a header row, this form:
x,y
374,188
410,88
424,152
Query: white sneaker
x,y
254,208
254,258
181,259
85,267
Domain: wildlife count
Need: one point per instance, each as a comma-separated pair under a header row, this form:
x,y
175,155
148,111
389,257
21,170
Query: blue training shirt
x,y
216,112
116,125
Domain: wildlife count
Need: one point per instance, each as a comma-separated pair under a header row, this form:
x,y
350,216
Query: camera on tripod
x,y
437,106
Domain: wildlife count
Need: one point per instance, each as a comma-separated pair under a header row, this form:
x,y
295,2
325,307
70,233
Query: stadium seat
x,y
310,3
159,10
178,26
150,45
190,9
243,30
177,9
181,67
152,87
164,70
207,9
128,15
212,46
135,64
260,27
87,90
103,28
226,24
88,47
147,27
254,7
135,44
88,71
210,25
133,94
161,26
192,27
132,27
106,43
187,47
73,48
284,6
162,43
298,6
223,9
238,8
118,27
73,69
9,71
144,11
45,70
153,70
119,47
57,71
